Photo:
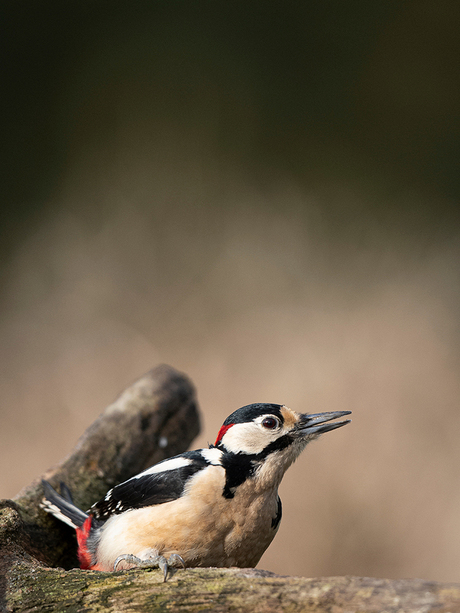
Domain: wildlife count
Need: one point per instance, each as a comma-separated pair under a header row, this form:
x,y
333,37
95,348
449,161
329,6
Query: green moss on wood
x,y
219,590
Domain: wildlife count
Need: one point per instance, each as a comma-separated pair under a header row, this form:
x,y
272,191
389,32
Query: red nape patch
x,y
84,555
222,431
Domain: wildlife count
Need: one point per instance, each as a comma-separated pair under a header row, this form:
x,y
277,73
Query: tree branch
x,y
153,419
222,590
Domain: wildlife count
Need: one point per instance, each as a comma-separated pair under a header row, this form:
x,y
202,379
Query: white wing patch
x,y
161,467
126,495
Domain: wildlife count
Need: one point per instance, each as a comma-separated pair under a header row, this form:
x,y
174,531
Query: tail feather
x,y
66,493
62,507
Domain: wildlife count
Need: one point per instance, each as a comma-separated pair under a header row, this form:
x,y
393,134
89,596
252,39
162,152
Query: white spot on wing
x,y
213,456
163,442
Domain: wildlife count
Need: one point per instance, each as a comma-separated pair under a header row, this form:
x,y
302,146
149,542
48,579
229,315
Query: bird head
x,y
273,432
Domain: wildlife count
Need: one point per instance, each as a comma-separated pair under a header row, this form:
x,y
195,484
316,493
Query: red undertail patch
x,y
84,555
222,431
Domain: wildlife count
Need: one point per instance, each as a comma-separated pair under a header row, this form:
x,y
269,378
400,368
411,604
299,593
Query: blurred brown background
x,y
264,195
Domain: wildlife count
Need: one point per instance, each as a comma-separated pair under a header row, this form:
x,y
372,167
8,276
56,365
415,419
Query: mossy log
x,y
157,417
220,591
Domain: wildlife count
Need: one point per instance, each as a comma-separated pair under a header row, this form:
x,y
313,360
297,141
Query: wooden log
x,y
155,418
221,590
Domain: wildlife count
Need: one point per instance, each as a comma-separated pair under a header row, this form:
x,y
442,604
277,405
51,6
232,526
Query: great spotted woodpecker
x,y
210,507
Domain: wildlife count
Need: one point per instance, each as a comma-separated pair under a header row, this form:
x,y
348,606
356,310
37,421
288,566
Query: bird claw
x,y
175,557
127,558
157,561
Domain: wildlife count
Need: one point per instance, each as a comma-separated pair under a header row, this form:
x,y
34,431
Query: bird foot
x,y
156,562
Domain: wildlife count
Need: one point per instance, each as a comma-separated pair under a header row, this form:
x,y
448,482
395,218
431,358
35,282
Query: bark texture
x,y
220,591
155,418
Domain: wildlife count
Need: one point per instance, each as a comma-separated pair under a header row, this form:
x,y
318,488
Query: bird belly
x,y
202,526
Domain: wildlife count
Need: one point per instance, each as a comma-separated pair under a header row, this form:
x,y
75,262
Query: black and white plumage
x,y
161,483
210,507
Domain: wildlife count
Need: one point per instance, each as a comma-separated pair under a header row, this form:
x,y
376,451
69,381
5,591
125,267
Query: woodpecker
x,y
210,507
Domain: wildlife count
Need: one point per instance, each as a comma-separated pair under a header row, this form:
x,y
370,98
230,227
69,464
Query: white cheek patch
x,y
248,438
172,464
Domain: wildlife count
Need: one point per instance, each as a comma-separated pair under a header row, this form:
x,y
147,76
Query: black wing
x,y
166,482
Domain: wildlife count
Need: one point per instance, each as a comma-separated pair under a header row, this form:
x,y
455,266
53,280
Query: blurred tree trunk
x,y
157,417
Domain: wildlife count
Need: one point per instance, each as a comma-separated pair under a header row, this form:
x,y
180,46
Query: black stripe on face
x,y
281,443
242,466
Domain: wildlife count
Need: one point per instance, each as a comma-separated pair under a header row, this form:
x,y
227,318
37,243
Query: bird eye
x,y
270,423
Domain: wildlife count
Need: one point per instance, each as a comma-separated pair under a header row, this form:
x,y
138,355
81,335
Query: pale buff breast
x,y
203,527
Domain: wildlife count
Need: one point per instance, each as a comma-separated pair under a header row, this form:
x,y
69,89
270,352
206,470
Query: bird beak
x,y
316,423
